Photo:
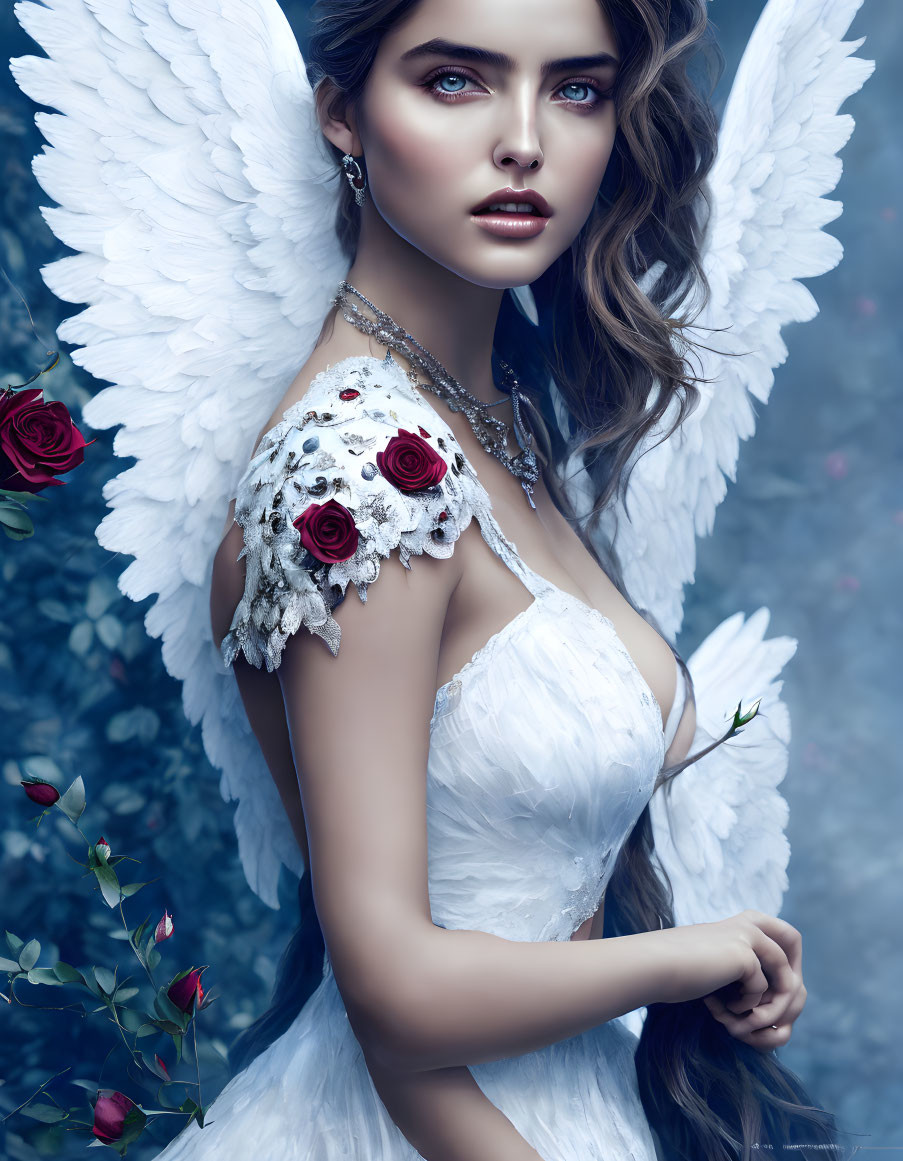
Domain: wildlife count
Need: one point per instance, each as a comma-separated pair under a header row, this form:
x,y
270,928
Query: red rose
x,y
38,441
41,792
183,991
328,531
410,463
110,1112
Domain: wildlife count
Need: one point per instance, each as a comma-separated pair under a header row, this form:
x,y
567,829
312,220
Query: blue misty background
x,y
812,529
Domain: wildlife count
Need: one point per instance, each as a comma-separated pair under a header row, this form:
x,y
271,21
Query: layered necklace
x,y
491,432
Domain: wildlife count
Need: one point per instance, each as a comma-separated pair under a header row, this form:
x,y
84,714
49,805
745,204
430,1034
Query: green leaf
x,y
28,956
14,943
151,1065
72,803
109,884
105,979
177,1041
85,1083
67,974
8,965
129,889
167,1009
44,976
153,958
23,496
132,1128
138,934
147,1029
132,1018
17,521
91,984
80,637
17,534
171,1029
49,1114
122,994
55,611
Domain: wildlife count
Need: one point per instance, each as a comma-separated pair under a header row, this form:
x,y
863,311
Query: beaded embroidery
x,y
325,449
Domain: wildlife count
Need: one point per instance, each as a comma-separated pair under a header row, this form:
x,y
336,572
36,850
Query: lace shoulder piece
x,y
361,465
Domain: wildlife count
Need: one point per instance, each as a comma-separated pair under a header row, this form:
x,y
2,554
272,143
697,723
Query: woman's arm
x,y
446,1116
418,996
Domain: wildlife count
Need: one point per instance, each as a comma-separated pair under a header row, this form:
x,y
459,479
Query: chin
x,y
501,273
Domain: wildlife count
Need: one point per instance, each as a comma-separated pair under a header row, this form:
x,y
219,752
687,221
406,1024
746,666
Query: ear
x,y
337,119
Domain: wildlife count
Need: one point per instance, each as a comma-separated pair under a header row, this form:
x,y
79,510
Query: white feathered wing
x,y
192,181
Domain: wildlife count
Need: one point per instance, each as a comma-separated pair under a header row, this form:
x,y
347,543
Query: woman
x,y
469,1006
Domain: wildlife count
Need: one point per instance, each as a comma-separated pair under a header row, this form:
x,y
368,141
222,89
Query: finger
x,y
784,934
782,1009
721,1011
767,1039
758,1034
782,979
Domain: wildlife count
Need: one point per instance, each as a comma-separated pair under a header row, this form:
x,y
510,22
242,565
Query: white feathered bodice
x,y
544,751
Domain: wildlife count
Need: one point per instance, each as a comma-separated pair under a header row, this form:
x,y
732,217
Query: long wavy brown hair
x,y
619,359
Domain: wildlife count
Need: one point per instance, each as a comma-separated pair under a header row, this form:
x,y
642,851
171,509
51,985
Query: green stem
x,y
35,1093
194,1033
147,970
131,1051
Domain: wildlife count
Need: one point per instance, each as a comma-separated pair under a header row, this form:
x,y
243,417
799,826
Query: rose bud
x,y
162,1066
110,1112
164,928
183,991
41,792
102,847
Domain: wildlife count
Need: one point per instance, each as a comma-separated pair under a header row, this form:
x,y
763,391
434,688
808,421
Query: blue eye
x,y
455,77
582,88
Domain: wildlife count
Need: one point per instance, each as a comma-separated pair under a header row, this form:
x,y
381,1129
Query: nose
x,y
518,143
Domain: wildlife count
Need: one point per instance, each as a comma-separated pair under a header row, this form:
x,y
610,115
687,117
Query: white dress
x,y
195,189
544,750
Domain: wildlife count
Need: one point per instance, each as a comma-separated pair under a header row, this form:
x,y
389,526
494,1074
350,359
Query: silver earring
x,y
355,176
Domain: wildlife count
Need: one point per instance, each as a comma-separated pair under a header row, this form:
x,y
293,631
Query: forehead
x,y
528,31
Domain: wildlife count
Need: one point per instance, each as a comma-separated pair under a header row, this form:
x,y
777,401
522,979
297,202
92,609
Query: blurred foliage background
x,y
812,529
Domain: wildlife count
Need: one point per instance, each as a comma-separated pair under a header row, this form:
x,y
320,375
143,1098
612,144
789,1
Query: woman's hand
x,y
763,1019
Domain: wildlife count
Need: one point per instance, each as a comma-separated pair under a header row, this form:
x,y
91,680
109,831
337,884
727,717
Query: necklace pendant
x,y
528,489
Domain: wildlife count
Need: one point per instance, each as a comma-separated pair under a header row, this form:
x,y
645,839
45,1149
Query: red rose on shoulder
x,y
38,441
328,531
410,463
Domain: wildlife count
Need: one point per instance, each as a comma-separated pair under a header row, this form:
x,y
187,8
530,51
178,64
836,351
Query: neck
x,y
453,318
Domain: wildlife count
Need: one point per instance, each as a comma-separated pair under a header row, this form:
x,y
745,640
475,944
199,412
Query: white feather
x,y
190,177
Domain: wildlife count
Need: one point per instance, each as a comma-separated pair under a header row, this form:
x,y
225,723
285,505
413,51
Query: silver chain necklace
x,y
491,432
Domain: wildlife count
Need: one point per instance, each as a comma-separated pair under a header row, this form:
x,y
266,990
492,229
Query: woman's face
x,y
468,99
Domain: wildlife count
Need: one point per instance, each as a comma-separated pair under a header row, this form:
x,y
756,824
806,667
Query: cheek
x,y
415,160
581,161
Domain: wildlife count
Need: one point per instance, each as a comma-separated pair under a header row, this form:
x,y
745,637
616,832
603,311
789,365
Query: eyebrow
x,y
439,47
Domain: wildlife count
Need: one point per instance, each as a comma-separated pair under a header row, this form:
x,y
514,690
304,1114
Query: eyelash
x,y
429,84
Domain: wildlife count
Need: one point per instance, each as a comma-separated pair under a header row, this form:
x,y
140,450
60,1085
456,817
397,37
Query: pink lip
x,y
511,225
508,194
